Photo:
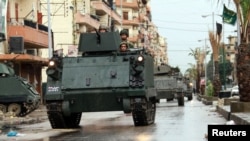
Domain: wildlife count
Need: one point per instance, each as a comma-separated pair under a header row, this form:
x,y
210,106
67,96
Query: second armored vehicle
x,y
170,85
17,94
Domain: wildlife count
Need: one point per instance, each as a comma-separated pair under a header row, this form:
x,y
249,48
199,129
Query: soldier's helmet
x,y
103,27
124,32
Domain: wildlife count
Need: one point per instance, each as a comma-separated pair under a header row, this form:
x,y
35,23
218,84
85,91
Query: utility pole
x,y
224,68
121,14
205,49
49,30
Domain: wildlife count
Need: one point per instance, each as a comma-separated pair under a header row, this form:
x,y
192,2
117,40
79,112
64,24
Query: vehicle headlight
x,y
190,84
51,63
140,58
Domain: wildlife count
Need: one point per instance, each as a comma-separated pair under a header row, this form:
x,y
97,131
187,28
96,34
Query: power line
x,y
179,50
188,30
180,29
177,22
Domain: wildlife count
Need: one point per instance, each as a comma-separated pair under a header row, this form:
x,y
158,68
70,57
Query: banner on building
x,y
229,16
72,51
218,28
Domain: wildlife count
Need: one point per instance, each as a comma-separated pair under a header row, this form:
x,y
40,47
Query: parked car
x,y
235,90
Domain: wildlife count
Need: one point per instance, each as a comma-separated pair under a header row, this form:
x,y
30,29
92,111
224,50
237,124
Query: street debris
x,y
14,134
231,122
11,133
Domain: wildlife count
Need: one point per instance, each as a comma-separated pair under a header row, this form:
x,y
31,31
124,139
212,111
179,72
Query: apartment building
x,y
28,23
78,16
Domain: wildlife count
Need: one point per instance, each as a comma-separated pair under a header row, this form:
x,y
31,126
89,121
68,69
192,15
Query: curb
x,y
223,111
239,118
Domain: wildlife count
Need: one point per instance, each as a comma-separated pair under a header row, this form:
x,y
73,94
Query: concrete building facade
x,y
28,19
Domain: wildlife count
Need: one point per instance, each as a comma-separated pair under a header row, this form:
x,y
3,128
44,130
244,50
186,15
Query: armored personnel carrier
x,y
188,88
17,94
101,78
170,85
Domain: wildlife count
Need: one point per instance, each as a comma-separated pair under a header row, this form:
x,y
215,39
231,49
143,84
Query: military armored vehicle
x,y
101,78
17,94
188,88
169,85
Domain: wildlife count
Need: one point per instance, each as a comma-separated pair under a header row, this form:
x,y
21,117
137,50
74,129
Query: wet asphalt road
x,y
172,123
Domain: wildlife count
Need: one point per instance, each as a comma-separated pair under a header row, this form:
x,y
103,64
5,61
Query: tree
x,y
199,57
227,69
243,65
243,56
215,43
191,72
210,70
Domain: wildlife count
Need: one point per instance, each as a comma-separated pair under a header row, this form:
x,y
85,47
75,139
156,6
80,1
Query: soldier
x,y
123,47
124,36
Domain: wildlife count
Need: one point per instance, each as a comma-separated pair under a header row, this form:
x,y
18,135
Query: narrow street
x,y
172,123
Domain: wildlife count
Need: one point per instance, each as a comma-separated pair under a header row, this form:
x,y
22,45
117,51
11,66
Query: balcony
x,y
135,21
33,37
133,5
133,39
102,9
86,19
24,58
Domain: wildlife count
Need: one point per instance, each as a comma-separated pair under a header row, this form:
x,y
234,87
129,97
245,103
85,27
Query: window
x,y
125,15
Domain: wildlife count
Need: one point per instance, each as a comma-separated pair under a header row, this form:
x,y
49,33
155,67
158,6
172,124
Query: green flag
x,y
229,16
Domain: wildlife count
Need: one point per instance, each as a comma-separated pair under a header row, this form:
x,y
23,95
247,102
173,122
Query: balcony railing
x,y
132,4
135,21
86,19
24,58
133,39
34,35
102,8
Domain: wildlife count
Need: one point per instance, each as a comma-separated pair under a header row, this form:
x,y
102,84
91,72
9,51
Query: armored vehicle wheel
x,y
190,98
180,101
15,108
73,120
59,121
170,99
3,108
143,112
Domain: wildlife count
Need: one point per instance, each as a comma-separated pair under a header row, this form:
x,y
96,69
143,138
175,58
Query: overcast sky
x,y
182,24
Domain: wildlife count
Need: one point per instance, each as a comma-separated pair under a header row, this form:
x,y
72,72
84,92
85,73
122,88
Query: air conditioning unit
x,y
16,44
31,51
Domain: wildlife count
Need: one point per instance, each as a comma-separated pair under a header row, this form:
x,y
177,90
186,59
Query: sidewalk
x,y
239,118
